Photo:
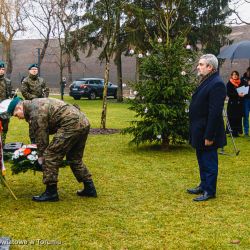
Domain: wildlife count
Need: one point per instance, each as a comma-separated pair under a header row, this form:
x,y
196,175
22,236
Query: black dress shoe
x,y
196,190
46,196
204,197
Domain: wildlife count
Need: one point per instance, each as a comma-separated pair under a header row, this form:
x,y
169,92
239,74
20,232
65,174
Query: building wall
x,y
25,52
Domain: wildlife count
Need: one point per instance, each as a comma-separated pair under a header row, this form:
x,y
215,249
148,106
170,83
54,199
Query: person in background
x,y
34,86
245,80
207,132
235,104
5,93
70,128
62,86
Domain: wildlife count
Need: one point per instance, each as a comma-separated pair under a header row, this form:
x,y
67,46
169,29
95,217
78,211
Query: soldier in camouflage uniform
x,y
32,87
5,93
70,128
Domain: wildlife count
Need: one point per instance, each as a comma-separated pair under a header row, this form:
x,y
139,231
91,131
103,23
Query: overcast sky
x,y
243,10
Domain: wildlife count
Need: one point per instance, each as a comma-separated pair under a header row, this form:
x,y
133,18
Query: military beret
x,y
2,65
33,65
13,104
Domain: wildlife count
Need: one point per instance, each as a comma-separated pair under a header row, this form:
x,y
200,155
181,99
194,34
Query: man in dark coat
x,y
207,132
70,128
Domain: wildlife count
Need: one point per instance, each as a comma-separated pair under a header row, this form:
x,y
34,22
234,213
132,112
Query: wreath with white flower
x,y
24,159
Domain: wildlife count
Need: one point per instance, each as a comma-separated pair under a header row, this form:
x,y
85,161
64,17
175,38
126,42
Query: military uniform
x,y
5,93
70,128
32,87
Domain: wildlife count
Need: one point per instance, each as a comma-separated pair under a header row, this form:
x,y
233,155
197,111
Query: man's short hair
x,y
211,60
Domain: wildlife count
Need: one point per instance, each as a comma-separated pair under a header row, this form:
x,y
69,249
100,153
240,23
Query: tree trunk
x,y
137,70
119,77
7,52
104,101
43,51
165,143
70,79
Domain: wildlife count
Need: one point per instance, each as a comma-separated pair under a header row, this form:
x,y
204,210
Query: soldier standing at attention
x,y
32,87
5,93
70,128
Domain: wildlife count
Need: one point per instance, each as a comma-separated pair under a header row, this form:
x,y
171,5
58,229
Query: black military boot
x,y
50,194
88,190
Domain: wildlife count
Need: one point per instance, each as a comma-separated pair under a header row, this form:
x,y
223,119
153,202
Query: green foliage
x,y
208,19
162,94
24,165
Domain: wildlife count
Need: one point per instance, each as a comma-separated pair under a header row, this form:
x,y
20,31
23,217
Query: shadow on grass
x,y
159,148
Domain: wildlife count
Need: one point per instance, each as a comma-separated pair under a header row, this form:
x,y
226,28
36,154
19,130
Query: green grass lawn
x,y
142,202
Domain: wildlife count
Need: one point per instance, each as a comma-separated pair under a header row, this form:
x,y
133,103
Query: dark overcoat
x,y
206,114
235,102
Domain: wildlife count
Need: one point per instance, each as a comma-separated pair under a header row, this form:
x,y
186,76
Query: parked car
x,y
91,88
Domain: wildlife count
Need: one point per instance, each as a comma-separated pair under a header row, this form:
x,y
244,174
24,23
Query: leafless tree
x,y
65,20
238,19
40,14
11,22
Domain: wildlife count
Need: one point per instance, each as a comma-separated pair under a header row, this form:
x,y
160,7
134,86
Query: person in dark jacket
x,y
5,93
245,80
207,132
235,104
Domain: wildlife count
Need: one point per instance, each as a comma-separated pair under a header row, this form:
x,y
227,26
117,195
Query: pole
x,y
236,150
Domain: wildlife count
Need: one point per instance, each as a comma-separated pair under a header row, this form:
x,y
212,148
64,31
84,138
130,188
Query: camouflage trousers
x,y
71,144
32,135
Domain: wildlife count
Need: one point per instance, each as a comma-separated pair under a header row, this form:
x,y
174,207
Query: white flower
x,y
158,136
190,59
183,73
33,152
131,52
135,92
188,47
31,157
140,55
124,85
143,98
147,53
146,110
159,40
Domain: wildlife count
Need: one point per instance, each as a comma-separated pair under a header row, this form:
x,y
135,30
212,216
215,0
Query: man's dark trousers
x,y
208,165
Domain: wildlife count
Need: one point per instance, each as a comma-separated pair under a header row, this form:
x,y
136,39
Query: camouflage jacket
x,y
34,87
5,88
47,116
